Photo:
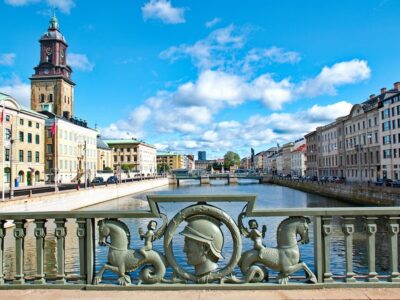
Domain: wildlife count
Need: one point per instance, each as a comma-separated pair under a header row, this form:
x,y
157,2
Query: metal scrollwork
x,y
121,259
203,243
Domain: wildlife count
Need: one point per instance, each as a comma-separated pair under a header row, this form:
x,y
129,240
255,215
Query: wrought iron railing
x,y
203,245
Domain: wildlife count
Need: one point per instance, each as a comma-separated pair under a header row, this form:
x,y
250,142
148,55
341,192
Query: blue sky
x,y
209,75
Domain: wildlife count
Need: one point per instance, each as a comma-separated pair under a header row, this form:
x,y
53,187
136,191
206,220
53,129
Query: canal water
x,y
268,196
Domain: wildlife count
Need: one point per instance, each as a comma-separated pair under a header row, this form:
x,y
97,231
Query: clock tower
x,y
51,86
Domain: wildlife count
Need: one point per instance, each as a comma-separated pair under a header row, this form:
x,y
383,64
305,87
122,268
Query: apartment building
x,y
23,144
133,155
312,154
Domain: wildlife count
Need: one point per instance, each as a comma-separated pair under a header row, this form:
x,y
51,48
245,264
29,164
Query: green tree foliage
x,y
161,168
126,167
231,159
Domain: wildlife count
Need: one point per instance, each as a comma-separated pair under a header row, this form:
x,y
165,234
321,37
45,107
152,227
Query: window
x,y
30,123
8,118
21,121
387,153
386,139
376,137
50,97
50,149
29,156
7,155
41,98
386,126
385,113
21,136
375,121
37,125
394,139
394,153
369,123
393,111
37,139
21,155
394,124
37,156
29,137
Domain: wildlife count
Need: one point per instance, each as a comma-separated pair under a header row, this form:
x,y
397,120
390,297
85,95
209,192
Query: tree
x,y
231,159
162,168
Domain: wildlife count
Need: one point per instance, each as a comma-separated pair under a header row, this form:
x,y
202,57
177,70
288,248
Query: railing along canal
x,y
204,246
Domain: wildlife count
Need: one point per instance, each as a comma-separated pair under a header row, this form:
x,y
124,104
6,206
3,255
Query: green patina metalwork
x,y
203,246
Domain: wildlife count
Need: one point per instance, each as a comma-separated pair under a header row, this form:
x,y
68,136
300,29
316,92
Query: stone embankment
x,y
361,194
73,199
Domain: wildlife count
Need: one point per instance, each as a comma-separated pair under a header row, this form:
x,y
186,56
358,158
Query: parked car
x,y
295,177
112,179
98,180
384,182
396,183
324,179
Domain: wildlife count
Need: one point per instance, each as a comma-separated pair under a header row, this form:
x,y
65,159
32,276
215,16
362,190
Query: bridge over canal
x,y
205,179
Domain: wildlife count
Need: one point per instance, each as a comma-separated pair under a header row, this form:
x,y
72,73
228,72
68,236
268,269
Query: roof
x,y
22,108
132,141
75,121
301,148
168,154
101,144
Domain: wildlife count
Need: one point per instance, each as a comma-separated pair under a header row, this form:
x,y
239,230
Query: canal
x,y
268,196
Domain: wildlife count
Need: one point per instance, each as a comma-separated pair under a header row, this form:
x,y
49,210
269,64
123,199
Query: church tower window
x,y
50,97
41,98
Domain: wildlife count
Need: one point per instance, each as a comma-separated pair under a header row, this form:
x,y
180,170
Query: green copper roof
x,y
127,142
54,23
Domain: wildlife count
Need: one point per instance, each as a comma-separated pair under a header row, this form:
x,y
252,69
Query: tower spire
x,y
54,22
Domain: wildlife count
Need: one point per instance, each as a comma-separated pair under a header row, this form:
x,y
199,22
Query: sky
x,y
188,75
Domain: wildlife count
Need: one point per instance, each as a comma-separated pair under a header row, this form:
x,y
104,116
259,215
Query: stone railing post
x,y
327,231
318,249
348,230
2,235
19,235
40,234
60,233
81,233
371,229
393,231
90,250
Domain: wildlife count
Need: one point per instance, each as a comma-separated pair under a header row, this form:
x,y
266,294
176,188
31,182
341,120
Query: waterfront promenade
x,y
344,293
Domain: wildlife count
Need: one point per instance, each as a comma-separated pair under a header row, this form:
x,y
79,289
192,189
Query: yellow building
x,y
22,151
133,155
173,160
104,155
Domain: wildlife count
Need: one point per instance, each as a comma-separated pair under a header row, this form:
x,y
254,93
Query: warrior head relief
x,y
203,243
203,246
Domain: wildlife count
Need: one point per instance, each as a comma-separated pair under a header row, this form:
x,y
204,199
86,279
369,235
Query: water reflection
x,y
268,196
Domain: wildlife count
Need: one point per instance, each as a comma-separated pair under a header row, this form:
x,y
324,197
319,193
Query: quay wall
x,y
354,193
73,199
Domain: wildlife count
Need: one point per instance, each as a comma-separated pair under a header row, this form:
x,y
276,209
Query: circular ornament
x,y
206,211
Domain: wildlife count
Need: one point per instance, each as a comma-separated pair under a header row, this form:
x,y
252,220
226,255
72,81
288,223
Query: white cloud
x,y
64,6
17,89
257,57
329,112
212,23
7,59
20,2
330,78
212,51
80,62
163,10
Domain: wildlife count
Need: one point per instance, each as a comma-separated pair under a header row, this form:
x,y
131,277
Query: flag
x,y
53,128
2,115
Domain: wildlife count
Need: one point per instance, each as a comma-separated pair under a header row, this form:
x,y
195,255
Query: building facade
x,y
298,160
173,160
133,155
71,150
104,155
22,140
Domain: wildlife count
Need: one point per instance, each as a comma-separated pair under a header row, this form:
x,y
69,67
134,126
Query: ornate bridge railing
x,y
207,263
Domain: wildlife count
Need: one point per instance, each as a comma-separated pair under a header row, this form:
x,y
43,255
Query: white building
x,y
74,145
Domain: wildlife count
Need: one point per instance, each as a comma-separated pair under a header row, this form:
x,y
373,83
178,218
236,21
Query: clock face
x,y
62,53
48,51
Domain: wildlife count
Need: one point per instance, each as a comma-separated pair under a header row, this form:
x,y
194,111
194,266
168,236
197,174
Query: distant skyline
x,y
206,75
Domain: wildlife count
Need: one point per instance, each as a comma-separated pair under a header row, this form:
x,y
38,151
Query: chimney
x,y
383,90
397,86
371,96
